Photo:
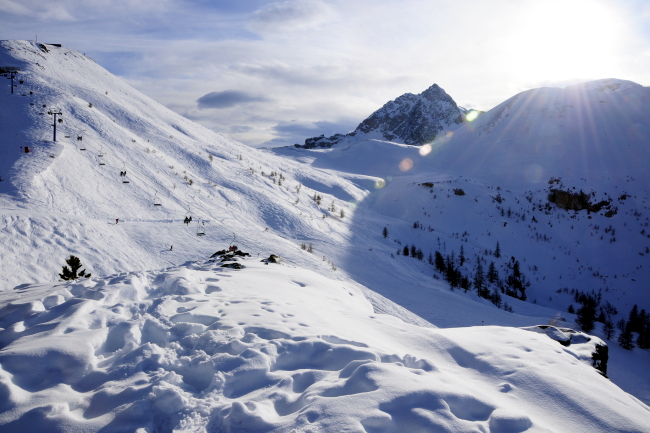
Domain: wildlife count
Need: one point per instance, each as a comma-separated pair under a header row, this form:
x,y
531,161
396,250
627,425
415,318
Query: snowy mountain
x,y
342,334
410,119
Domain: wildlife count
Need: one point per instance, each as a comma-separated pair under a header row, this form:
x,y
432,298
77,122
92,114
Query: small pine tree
x,y
643,340
385,232
587,314
342,213
461,256
479,280
71,272
405,252
635,323
440,262
608,327
626,339
497,251
492,273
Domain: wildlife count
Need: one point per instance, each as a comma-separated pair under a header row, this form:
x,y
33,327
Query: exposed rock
x,y
576,201
584,347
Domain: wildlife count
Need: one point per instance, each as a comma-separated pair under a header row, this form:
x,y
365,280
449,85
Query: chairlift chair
x,y
200,228
125,178
156,200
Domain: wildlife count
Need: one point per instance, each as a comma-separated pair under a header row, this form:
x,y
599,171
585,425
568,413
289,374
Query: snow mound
x,y
273,348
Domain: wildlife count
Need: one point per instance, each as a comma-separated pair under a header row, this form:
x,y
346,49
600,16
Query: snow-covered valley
x,y
345,333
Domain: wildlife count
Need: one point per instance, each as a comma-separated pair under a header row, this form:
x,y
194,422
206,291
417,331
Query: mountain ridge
x,y
409,119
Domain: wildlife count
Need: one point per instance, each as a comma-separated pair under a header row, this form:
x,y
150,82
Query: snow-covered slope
x,y
277,348
587,137
89,345
503,162
410,119
58,199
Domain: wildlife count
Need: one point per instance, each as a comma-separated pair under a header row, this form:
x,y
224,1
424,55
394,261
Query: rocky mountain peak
x,y
409,119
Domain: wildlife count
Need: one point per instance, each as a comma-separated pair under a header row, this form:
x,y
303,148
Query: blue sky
x,y
275,73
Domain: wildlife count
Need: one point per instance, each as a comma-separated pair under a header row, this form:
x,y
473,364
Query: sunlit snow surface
x,y
279,348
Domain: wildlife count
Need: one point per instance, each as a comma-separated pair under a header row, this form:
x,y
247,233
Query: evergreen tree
x,y
625,339
571,309
496,297
385,232
634,319
464,282
414,251
587,314
643,340
492,273
419,254
440,262
608,327
461,256
430,259
497,251
517,283
406,251
71,272
479,280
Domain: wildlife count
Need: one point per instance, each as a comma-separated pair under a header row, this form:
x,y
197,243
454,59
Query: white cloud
x,y
75,10
291,15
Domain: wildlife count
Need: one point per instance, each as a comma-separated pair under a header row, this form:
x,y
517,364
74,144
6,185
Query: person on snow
x,y
117,220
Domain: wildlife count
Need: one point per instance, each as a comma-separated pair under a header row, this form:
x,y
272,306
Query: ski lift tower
x,y
54,112
11,71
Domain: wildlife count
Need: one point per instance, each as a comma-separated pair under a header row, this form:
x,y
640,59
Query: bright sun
x,y
556,40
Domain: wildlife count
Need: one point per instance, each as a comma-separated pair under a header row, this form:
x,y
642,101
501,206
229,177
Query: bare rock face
x,y
409,119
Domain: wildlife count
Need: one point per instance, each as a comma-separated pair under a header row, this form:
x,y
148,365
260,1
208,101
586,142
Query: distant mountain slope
x,y
596,131
409,119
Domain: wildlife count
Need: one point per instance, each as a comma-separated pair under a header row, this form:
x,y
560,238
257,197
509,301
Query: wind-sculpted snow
x,y
274,348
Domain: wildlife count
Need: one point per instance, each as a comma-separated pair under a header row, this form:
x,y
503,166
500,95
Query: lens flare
x,y
379,184
406,164
425,149
471,115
